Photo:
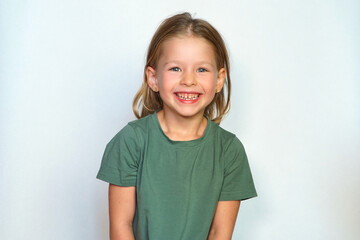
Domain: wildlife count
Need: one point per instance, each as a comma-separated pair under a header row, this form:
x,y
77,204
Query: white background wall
x,y
69,70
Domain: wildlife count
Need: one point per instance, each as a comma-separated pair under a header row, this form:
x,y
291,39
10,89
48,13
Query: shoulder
x,y
142,125
232,148
228,139
134,131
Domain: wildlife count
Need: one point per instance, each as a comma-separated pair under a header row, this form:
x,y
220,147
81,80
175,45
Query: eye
x,y
202,70
175,69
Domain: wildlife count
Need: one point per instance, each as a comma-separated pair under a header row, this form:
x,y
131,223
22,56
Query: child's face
x,y
186,76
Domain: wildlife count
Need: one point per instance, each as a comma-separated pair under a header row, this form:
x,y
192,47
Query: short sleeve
x,y
120,160
238,183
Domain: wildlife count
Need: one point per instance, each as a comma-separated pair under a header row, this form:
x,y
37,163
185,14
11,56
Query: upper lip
x,y
187,92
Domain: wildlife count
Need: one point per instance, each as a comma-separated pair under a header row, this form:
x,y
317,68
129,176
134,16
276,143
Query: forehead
x,y
187,48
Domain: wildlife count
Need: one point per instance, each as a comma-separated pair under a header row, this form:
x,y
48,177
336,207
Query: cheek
x,y
210,85
167,81
165,86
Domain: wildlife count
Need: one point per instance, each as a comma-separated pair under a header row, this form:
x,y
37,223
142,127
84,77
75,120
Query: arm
x,y
223,223
121,211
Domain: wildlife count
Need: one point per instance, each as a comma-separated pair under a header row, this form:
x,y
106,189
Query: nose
x,y
188,79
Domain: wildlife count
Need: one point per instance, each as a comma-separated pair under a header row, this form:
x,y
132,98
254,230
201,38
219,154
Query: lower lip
x,y
187,101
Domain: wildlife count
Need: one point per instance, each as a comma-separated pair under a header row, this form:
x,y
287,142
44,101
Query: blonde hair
x,y
146,101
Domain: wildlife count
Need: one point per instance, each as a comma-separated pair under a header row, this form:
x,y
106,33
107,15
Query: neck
x,y
179,128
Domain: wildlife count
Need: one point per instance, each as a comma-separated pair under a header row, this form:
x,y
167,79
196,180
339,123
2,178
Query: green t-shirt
x,y
178,183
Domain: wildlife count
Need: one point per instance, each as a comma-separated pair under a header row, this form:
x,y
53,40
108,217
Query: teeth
x,y
187,96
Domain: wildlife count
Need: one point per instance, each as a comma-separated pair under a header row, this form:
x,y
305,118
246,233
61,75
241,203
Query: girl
x,y
174,173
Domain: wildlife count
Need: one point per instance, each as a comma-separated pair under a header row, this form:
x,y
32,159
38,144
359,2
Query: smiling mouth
x,y
187,96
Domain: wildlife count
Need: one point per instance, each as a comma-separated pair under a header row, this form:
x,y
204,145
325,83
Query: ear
x,y
220,79
151,79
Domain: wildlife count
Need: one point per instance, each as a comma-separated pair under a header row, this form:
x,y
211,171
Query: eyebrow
x,y
180,62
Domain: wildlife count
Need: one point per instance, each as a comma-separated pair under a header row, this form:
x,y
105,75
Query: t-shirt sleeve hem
x,y
115,180
229,196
